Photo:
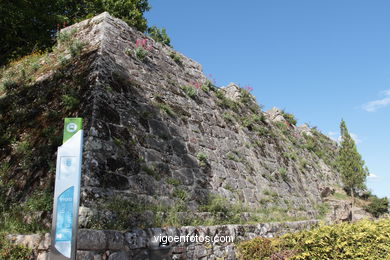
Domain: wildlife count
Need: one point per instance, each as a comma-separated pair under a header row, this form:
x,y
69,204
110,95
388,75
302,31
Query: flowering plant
x,y
248,88
141,49
143,43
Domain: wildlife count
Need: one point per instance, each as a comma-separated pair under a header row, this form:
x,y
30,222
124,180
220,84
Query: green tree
x,y
27,25
159,35
350,163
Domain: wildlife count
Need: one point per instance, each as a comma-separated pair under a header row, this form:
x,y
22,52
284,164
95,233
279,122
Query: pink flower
x,y
248,88
195,84
138,43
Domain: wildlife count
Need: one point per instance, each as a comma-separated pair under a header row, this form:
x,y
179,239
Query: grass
x,y
10,251
24,71
340,196
151,170
225,102
172,181
283,174
13,215
228,117
322,209
202,157
250,121
180,194
175,57
166,108
189,90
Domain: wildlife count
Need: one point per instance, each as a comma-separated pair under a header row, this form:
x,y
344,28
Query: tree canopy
x,y
350,163
27,25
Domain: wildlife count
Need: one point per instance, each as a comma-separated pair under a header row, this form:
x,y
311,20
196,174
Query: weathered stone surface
x,y
147,131
88,255
122,255
30,241
91,239
43,256
45,242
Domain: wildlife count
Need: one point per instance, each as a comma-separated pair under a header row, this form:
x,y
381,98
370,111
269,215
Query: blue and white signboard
x,y
67,192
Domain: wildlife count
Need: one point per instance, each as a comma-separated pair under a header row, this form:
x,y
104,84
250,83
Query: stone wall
x,y
135,243
146,132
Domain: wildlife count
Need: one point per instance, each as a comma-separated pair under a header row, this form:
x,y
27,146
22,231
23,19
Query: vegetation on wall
x,y
28,26
30,131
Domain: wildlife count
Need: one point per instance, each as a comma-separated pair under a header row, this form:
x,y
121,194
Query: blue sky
x,y
320,60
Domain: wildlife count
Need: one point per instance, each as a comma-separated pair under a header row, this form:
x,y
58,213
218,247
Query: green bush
x,y
70,102
159,35
257,248
360,240
175,57
202,157
9,251
140,53
377,206
289,118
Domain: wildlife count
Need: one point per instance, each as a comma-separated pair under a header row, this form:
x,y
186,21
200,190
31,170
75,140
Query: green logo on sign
x,y
72,125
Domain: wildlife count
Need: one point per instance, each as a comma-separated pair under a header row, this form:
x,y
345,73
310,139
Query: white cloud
x,y
374,105
373,176
336,137
356,138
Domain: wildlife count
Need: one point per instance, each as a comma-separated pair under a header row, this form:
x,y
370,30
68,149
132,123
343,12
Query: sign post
x,y
67,192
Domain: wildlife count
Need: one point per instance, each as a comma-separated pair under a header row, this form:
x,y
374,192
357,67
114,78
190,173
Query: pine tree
x,y
350,163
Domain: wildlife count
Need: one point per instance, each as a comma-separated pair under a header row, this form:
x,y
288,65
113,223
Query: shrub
x,y
70,102
175,57
257,248
140,53
75,48
216,204
360,240
201,157
289,118
377,206
245,95
159,35
11,251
